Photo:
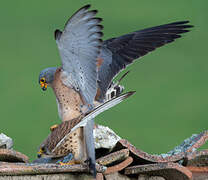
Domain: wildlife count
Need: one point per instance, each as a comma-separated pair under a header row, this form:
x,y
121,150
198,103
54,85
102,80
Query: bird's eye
x,y
42,80
43,149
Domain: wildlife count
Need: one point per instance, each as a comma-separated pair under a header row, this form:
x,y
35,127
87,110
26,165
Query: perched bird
x,y
90,64
68,136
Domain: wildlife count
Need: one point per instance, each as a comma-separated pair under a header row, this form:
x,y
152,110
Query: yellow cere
x,y
42,80
43,83
40,152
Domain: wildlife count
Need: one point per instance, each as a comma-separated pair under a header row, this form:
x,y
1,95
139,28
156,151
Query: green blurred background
x,y
171,83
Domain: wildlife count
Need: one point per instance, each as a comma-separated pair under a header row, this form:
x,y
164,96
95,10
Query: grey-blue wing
x,y
119,52
79,46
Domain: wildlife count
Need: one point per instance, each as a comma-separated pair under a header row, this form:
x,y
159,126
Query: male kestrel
x,y
89,65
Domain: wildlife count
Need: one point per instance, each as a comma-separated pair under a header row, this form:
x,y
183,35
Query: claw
x,y
68,160
72,162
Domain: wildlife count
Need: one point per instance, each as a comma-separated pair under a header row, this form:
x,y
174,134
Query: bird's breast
x,y
69,101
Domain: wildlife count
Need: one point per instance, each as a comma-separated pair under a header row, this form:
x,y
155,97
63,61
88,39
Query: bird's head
x,y
46,77
43,151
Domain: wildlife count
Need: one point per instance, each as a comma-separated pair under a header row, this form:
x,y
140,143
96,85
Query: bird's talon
x,y
72,162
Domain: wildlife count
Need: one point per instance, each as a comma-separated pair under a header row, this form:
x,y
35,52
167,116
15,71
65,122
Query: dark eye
x,y
43,149
42,80
39,155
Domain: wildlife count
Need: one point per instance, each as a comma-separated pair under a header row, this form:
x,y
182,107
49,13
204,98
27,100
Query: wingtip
x,y
87,6
123,76
128,94
185,24
57,34
131,92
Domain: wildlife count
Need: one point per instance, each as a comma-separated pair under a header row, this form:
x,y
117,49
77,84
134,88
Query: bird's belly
x,y
69,101
73,143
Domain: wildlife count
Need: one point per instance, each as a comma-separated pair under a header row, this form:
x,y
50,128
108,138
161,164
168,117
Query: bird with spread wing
x,y
90,64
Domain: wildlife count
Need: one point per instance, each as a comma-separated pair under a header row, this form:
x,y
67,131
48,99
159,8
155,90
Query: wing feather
x,y
79,45
119,52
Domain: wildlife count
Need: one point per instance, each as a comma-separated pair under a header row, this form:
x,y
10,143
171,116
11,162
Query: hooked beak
x,y
43,86
39,154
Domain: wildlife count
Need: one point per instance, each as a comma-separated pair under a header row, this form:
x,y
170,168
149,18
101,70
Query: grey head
x,y
46,77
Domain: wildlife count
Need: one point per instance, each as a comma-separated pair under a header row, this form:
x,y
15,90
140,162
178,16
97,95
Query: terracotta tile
x,y
166,170
118,176
197,158
200,140
199,173
9,155
178,153
194,169
145,177
99,176
27,168
119,166
200,176
141,157
113,157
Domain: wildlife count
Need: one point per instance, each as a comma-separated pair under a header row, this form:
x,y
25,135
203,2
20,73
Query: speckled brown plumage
x,y
69,100
71,142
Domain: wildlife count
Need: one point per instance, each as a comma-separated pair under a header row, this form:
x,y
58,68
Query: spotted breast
x,y
69,101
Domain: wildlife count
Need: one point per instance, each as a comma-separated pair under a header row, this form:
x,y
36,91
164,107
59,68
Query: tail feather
x,y
88,124
103,107
115,89
90,146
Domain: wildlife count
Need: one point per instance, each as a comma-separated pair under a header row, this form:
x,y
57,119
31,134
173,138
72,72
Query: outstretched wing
x,y
79,45
118,52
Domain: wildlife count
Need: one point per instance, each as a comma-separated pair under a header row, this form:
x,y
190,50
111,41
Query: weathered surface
x,y
50,177
145,177
123,162
5,141
9,155
178,153
120,166
190,144
198,158
113,157
166,170
200,176
36,169
117,176
195,169
105,137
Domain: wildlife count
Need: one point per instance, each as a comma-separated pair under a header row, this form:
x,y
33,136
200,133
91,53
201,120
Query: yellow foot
x,y
53,127
72,162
